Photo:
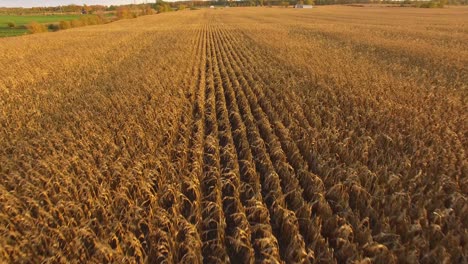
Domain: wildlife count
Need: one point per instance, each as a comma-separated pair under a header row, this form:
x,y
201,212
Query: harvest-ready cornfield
x,y
242,135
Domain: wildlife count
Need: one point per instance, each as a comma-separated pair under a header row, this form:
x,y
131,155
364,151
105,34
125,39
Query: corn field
x,y
240,135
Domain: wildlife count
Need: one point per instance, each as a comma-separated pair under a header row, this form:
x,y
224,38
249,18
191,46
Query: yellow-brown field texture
x,y
241,135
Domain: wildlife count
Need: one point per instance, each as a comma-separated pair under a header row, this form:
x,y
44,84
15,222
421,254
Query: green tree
x,y
53,27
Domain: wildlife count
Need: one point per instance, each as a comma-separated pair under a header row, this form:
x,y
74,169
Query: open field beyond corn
x,y
242,135
21,22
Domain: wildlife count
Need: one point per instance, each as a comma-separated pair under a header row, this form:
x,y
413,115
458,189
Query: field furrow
x,y
263,241
271,183
213,224
238,233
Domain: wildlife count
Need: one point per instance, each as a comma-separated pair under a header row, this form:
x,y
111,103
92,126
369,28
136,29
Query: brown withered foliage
x,y
253,135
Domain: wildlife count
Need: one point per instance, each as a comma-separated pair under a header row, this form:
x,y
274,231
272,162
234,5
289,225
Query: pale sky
x,y
31,3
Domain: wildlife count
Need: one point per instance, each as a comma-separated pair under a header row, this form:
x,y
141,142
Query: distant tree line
x,y
161,6
405,2
232,3
55,9
126,11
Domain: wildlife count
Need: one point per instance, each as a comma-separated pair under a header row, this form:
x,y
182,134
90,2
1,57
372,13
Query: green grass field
x,y
22,21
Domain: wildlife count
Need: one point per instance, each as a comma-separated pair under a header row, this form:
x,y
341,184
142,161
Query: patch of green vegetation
x,y
11,32
24,20
21,21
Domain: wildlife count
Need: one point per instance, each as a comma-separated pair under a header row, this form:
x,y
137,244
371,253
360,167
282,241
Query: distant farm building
x,y
303,6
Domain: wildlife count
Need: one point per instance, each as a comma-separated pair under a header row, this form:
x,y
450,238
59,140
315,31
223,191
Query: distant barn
x,y
303,6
